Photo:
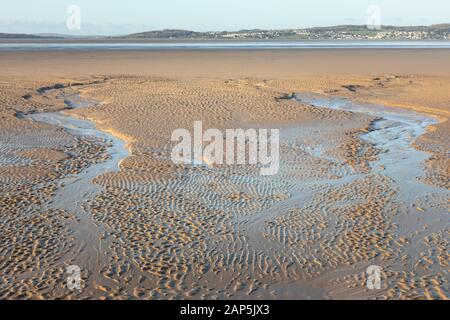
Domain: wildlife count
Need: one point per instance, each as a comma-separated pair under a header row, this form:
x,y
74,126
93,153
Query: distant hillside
x,y
167,34
343,32
24,36
67,36
349,28
17,36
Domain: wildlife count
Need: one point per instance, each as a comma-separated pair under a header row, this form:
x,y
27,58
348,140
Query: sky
x,y
115,17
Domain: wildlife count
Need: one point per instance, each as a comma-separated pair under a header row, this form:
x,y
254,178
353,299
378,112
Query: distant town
x,y
347,32
344,32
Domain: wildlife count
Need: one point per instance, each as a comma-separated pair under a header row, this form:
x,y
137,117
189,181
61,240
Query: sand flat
x,y
151,229
223,63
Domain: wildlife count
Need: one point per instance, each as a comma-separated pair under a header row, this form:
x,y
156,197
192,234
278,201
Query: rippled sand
x,y
155,230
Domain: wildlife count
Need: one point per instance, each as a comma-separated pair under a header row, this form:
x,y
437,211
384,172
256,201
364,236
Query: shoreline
x,y
144,40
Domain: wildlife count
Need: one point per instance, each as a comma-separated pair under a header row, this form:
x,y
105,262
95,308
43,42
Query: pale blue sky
x,y
125,16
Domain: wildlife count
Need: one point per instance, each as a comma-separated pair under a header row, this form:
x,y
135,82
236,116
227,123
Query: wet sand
x,y
363,177
279,64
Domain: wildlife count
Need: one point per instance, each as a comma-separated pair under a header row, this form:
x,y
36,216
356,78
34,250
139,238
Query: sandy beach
x,y
86,176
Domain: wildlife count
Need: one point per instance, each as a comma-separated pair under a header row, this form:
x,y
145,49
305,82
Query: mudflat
x,y
223,63
86,176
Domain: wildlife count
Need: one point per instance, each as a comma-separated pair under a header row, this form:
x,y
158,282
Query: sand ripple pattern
x,y
178,232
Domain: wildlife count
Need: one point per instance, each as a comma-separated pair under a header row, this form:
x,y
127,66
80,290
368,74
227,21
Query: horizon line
x,y
230,30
